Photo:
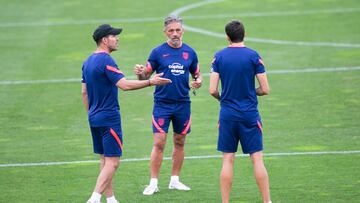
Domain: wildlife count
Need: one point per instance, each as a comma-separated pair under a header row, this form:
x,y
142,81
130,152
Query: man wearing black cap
x,y
101,79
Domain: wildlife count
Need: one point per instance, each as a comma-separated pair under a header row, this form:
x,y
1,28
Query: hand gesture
x,y
139,69
158,80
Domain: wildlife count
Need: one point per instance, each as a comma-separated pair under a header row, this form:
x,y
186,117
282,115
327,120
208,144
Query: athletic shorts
x,y
177,112
107,140
249,133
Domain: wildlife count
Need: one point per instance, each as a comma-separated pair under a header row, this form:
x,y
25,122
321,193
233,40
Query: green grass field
x,y
306,111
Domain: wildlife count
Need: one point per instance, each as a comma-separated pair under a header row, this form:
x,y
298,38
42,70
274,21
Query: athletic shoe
x,y
178,186
113,201
150,190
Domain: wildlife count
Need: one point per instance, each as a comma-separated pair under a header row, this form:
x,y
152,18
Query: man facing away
x,y
176,60
100,79
237,66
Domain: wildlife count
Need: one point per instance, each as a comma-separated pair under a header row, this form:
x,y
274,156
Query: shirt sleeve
x,y
259,64
152,64
194,67
83,76
112,71
215,64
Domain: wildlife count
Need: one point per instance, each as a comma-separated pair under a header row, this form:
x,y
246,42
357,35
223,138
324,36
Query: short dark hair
x,y
235,30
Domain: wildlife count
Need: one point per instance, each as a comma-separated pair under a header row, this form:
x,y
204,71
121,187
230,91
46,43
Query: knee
x,y
178,143
159,145
114,163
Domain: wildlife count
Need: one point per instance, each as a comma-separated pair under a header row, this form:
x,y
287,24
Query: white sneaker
x,y
178,186
150,190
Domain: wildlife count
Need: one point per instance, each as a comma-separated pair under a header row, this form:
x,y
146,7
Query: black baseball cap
x,y
104,30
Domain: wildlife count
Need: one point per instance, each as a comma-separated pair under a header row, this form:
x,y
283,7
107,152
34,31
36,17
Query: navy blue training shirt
x,y
176,64
100,73
237,68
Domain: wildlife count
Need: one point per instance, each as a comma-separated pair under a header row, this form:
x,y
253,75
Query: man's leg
x,y
157,154
155,162
106,140
178,154
261,175
226,176
104,181
108,190
109,193
108,166
177,159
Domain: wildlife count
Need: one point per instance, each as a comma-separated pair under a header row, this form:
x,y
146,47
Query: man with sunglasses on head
x,y
176,60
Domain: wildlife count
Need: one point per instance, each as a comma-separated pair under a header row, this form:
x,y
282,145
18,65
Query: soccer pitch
x,y
311,50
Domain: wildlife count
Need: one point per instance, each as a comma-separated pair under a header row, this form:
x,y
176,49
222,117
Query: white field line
x,y
275,13
190,17
189,157
78,22
284,71
249,39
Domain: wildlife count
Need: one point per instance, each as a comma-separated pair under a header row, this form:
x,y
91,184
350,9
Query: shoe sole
x,y
157,190
174,188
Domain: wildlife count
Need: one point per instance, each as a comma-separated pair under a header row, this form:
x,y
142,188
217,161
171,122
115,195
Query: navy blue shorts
x,y
107,140
177,112
249,133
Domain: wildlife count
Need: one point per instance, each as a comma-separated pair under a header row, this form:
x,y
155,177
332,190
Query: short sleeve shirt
x,y
176,64
237,68
100,73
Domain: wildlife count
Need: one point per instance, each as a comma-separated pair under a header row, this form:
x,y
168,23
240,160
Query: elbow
x,y
84,95
212,91
266,91
124,87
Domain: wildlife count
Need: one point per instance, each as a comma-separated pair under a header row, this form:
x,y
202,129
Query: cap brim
x,y
115,31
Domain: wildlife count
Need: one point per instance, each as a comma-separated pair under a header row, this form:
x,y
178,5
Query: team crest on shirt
x,y
185,55
161,121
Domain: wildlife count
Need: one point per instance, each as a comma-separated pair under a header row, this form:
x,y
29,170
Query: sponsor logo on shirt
x,y
177,69
165,55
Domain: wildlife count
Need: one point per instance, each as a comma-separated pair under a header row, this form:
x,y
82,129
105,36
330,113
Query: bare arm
x,y
126,85
85,96
263,88
214,83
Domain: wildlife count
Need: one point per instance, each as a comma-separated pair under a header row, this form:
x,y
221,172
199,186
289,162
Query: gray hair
x,y
172,18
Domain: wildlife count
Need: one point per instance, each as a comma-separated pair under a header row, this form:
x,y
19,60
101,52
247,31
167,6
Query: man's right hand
x,y
158,80
139,69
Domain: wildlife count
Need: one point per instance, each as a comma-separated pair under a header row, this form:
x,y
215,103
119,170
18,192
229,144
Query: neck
x,y
101,48
174,46
237,44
